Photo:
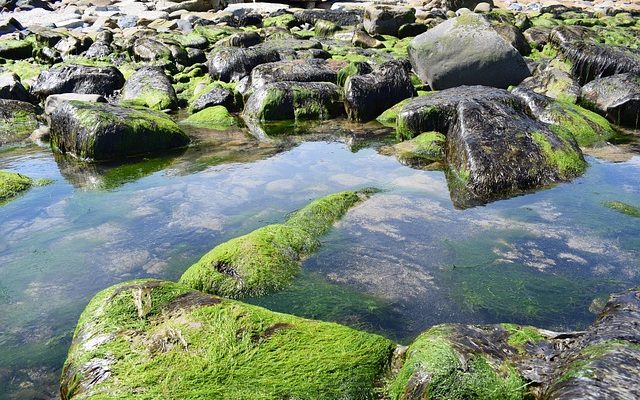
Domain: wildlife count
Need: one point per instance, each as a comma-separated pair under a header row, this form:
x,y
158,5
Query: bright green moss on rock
x,y
17,121
568,162
216,117
267,259
623,208
153,339
519,336
434,369
284,21
586,127
388,118
12,184
14,49
424,149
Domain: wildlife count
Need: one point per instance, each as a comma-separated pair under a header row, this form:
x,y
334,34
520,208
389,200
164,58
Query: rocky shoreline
x,y
504,101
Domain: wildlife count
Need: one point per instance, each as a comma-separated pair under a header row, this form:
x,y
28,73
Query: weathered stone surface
x,y
149,87
18,119
514,37
146,49
99,131
165,340
55,100
311,70
466,51
591,61
78,79
294,100
553,80
387,20
455,5
233,63
617,97
339,17
15,49
241,39
366,96
215,97
11,89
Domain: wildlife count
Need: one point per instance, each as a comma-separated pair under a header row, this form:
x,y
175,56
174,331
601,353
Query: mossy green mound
x,y
267,259
152,339
216,117
519,336
422,150
623,208
388,118
14,49
566,159
12,184
586,127
435,369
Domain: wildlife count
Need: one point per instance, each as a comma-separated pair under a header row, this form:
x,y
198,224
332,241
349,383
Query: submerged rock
x,y
591,61
169,341
99,131
234,63
18,119
423,151
12,184
267,259
78,79
366,96
617,97
466,51
149,87
281,101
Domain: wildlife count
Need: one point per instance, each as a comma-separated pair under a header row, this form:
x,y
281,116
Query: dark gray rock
x,y
241,39
9,25
387,20
233,63
78,79
466,51
617,97
149,87
311,70
145,49
13,49
537,37
100,131
339,17
367,96
411,30
591,61
514,37
215,97
11,89
98,50
281,101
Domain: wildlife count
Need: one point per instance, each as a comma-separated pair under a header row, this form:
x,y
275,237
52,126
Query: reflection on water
x,y
396,264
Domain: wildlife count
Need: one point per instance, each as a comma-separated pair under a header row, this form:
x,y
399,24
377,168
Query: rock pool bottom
x,y
397,264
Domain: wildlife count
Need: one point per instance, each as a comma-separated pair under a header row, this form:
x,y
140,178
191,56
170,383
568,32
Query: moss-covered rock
x,y
155,339
15,49
442,364
12,184
216,117
18,119
352,69
100,131
285,20
267,259
149,87
421,151
623,208
389,116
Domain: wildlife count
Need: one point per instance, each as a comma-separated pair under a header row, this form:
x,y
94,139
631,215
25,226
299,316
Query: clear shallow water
x,y
397,264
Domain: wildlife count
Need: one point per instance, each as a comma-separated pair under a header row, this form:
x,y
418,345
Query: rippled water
x,y
397,264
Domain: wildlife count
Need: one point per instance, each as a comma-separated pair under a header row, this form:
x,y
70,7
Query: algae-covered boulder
x,y
78,79
233,63
424,150
15,49
586,127
366,96
312,70
267,259
617,97
216,117
18,119
553,80
100,131
149,87
281,101
146,49
466,51
590,61
156,339
12,184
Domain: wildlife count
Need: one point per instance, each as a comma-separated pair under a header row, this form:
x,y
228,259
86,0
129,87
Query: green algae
x,y
519,336
427,147
432,356
18,126
583,367
24,69
243,351
267,259
216,117
548,51
586,127
568,161
12,184
389,117
623,208
284,20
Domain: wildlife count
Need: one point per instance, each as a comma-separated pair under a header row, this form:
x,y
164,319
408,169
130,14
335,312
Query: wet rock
x,y
145,49
149,87
55,100
411,30
514,37
324,28
387,20
99,131
617,97
18,119
341,18
232,270
466,51
11,89
280,101
241,39
215,117
591,61
78,79
166,330
553,80
354,68
215,97
232,64
366,96
424,151
312,70
13,49
364,40
586,127
537,36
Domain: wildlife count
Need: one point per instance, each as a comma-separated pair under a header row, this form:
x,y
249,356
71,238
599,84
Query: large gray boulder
x,y
466,51
100,131
78,79
617,97
366,96
311,70
387,20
